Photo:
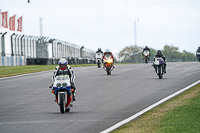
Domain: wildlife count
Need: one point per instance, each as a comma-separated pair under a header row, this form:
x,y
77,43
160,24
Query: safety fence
x,y
34,49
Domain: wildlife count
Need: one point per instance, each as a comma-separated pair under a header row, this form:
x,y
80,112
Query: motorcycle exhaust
x,y
104,68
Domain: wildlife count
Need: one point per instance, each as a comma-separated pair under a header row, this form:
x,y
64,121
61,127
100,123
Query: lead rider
x,y
159,54
64,69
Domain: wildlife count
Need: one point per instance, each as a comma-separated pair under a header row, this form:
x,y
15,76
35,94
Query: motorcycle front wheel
x,y
159,72
62,103
146,60
108,70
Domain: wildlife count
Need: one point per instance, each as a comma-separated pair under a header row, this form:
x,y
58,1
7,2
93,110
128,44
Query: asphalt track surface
x,y
27,104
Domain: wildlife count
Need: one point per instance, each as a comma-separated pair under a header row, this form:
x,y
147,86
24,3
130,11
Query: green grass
x,y
181,114
6,71
183,119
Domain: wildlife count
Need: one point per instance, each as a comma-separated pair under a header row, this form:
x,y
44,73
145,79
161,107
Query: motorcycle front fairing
x,y
62,85
159,62
98,56
198,55
108,59
146,53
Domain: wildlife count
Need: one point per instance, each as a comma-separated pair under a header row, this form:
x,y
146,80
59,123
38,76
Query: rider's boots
x,y
104,68
154,67
73,93
51,86
164,68
112,68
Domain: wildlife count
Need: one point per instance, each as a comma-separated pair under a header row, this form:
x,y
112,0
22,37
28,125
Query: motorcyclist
x,y
159,54
62,69
98,51
198,51
146,48
110,53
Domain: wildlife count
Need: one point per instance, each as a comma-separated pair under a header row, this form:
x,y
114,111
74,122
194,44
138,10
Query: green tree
x,y
133,54
174,55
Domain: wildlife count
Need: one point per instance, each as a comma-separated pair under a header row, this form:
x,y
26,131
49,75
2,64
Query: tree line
x,y
133,54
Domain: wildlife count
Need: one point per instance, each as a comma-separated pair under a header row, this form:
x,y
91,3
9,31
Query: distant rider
x,y
146,48
107,52
159,54
62,69
198,51
98,51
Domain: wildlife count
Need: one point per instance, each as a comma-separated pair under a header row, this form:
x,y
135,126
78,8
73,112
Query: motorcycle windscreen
x,y
98,55
158,61
62,81
146,52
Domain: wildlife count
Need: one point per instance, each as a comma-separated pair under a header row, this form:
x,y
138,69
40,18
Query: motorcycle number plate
x,y
98,55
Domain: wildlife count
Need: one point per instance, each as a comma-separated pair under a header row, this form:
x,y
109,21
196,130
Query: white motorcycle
x,y
159,67
146,55
98,57
63,92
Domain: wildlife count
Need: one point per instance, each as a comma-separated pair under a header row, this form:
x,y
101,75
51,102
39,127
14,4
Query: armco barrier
x,y
12,61
21,60
50,61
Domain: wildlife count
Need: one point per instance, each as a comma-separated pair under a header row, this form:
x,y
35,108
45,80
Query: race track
x,y
27,104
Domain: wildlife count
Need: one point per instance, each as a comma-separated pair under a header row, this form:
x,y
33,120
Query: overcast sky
x,y
110,23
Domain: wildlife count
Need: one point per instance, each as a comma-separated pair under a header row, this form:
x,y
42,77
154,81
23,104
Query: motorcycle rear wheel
x,y
98,64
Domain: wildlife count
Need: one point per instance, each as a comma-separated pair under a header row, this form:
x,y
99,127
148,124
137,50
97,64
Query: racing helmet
x,y
99,49
146,47
107,51
63,64
159,53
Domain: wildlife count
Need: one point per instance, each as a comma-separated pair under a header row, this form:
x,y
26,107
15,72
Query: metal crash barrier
x,y
39,50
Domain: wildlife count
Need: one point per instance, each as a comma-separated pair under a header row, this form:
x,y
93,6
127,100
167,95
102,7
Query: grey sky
x,y
110,23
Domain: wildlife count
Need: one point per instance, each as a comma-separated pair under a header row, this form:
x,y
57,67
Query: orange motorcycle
x,y
108,64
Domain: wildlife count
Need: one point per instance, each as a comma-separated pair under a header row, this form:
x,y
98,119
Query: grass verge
x,y
180,114
7,71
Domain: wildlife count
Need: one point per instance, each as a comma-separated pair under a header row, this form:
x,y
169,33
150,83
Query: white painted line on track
x,y
149,108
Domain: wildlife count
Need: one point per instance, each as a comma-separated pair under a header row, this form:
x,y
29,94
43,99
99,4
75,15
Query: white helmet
x,y
107,51
63,63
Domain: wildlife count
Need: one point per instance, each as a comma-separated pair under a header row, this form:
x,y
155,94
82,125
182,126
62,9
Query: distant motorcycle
x,y
159,67
198,56
146,55
108,64
63,92
98,59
